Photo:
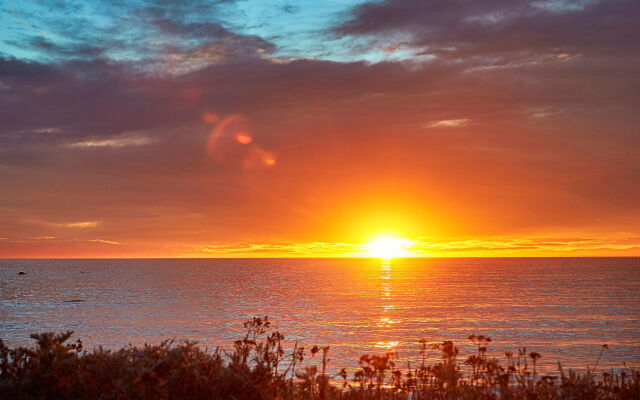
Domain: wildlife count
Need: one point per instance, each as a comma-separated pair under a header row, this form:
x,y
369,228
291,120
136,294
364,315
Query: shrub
x,y
258,367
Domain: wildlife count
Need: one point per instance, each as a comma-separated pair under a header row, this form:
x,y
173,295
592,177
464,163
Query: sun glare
x,y
389,247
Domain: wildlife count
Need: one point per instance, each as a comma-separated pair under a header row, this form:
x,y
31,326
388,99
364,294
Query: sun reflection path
x,y
385,321
385,277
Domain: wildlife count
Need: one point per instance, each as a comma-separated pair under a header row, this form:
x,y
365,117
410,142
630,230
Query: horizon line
x,y
297,258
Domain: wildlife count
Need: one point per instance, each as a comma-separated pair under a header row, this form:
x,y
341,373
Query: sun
x,y
387,247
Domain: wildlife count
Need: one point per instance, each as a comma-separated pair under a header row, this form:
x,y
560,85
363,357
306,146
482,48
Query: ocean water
x,y
563,308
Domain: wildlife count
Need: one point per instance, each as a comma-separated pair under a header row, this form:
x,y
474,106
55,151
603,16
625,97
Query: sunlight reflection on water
x,y
563,308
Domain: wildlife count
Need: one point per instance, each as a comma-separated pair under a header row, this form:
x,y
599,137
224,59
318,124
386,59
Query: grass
x,y
258,367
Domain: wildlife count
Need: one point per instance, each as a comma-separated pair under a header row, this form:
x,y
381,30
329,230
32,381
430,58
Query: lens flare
x,y
259,157
243,137
232,143
225,128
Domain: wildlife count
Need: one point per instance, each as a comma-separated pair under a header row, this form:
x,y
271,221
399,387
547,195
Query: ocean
x,y
563,308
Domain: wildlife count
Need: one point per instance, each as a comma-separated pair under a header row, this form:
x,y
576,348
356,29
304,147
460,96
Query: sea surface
x,y
563,308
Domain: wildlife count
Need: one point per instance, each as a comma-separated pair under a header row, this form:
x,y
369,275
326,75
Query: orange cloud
x,y
72,225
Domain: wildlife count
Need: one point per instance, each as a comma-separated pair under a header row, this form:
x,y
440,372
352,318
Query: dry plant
x,y
258,367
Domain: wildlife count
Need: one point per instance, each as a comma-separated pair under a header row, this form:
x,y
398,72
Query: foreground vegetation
x,y
259,368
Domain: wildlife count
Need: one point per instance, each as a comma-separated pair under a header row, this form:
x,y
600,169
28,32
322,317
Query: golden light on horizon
x,y
387,247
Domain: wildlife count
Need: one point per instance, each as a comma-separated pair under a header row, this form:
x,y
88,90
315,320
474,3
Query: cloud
x,y
489,30
71,225
115,142
42,131
338,125
57,50
448,123
82,225
104,241
174,39
423,247
534,245
316,249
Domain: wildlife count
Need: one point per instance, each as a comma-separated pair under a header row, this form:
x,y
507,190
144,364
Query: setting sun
x,y
389,247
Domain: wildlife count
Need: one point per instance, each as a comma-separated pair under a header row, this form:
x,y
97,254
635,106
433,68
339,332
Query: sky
x,y
260,128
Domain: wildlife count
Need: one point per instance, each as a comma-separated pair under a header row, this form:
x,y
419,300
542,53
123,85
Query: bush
x,y
259,368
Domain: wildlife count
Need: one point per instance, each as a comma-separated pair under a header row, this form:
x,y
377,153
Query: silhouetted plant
x,y
259,368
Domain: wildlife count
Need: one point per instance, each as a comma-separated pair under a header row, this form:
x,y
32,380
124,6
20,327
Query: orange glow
x,y
435,143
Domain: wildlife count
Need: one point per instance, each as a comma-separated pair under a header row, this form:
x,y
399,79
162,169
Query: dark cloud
x,y
155,36
211,35
70,51
489,28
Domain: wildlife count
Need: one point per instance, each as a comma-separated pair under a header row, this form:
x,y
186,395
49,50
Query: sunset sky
x,y
310,128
